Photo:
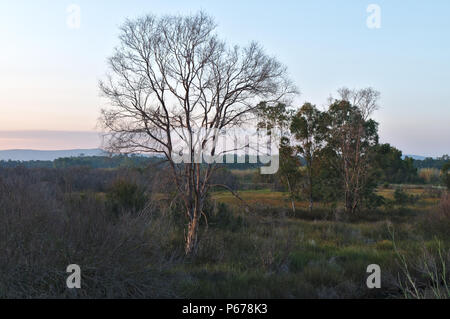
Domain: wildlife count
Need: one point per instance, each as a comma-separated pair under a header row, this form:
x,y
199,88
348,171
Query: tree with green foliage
x,y
350,138
274,116
430,162
327,187
308,128
278,118
446,174
392,168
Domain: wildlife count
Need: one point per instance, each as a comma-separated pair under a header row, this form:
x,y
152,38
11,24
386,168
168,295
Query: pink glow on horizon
x,y
49,140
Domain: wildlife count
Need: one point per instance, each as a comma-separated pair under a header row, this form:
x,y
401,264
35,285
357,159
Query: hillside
x,y
38,155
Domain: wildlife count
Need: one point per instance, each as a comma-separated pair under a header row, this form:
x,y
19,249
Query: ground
x,y
279,256
258,250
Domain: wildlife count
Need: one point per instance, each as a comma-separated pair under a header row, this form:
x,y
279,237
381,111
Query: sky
x,y
50,66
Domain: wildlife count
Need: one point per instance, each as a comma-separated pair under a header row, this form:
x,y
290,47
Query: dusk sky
x,y
49,68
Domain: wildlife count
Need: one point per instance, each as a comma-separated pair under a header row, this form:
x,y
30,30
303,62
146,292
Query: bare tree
x,y
365,99
173,85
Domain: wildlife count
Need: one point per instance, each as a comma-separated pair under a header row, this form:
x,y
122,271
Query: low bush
x,y
126,196
437,221
425,275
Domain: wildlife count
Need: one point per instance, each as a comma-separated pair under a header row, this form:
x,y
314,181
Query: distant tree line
x,y
26,164
85,161
429,162
126,161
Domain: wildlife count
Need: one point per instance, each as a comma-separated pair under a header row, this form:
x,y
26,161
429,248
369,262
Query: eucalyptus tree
x,y
446,174
352,136
289,171
173,86
277,119
308,127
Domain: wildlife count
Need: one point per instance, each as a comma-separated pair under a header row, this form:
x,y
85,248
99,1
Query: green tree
x,y
350,139
446,174
391,167
328,184
278,118
273,116
308,128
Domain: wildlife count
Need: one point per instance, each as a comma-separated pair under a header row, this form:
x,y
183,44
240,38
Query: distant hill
x,y
35,155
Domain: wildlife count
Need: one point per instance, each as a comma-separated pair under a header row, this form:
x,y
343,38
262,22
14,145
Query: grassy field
x,y
287,257
271,255
257,250
267,197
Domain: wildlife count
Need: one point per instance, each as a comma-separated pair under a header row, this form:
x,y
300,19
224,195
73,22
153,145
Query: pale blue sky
x,y
49,72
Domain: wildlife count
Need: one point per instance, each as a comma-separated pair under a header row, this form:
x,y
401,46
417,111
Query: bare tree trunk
x,y
293,205
192,235
194,207
291,195
310,187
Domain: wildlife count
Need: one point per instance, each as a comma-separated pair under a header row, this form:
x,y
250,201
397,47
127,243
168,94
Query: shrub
x,y
437,222
373,201
402,198
221,216
428,275
126,196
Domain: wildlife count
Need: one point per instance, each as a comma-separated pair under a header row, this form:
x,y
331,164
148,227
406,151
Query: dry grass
x,y
430,175
264,197
268,198
262,254
244,172
437,221
425,275
41,235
